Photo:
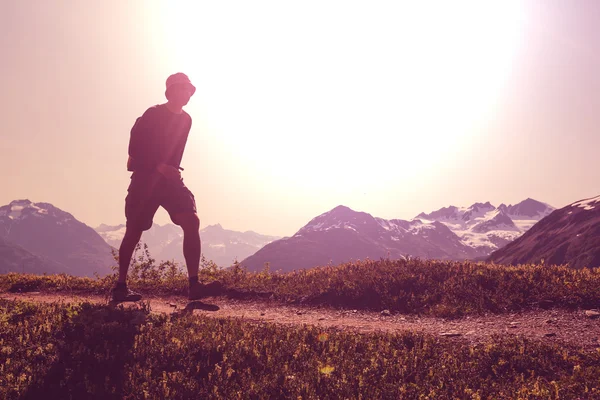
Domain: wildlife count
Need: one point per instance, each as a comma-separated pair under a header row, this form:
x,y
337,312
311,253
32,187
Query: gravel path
x,y
576,328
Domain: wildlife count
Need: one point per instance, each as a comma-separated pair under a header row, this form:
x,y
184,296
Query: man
x,y
156,146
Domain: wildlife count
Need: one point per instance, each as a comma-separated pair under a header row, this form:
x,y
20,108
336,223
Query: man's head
x,y
179,89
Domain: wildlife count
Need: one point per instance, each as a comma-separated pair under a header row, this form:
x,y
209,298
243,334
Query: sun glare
x,y
345,92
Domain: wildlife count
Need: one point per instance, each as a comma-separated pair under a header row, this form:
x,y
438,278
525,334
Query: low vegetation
x,y
82,350
438,288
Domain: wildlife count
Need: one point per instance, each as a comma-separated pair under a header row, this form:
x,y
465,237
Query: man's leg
x,y
120,292
181,206
140,207
130,240
190,223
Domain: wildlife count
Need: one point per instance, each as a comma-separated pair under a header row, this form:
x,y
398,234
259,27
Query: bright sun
x,y
316,93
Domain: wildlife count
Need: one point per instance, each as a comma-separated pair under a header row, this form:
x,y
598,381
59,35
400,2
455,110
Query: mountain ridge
x,y
220,245
567,236
47,231
450,233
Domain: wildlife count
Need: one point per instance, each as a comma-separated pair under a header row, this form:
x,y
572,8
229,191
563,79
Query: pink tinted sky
x,y
302,108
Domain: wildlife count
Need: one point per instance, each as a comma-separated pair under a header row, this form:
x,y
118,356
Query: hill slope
x,y
49,232
14,258
570,235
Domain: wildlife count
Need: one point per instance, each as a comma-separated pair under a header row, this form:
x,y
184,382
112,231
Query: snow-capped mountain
x,y
450,233
530,208
50,233
341,235
165,242
487,228
570,235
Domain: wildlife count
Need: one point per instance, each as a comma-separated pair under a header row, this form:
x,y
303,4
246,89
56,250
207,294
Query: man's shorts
x,y
147,192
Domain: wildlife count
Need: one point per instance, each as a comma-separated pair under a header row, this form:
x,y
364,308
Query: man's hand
x,y
171,173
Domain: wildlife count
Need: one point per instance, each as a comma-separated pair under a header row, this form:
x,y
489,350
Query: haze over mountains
x,y
220,245
450,233
41,238
38,237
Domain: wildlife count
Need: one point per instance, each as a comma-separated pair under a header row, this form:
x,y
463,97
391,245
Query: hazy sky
x,y
392,108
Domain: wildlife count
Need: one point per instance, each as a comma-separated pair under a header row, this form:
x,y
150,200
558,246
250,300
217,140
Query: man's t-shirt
x,y
158,136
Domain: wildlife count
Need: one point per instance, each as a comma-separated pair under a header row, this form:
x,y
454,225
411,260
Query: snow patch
x,y
15,212
17,208
588,204
116,235
524,224
316,226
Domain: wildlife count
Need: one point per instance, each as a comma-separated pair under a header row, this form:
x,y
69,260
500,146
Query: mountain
x,y
453,233
342,234
527,208
157,237
220,245
49,232
570,235
14,258
486,228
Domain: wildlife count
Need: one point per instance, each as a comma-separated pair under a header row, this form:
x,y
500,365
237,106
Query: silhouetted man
x,y
156,146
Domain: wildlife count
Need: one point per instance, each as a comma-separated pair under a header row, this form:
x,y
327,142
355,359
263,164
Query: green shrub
x,y
439,288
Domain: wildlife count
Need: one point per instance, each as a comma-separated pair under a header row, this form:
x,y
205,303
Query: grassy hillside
x,y
446,289
93,351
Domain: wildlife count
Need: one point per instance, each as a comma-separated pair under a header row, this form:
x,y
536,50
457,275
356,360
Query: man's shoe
x,y
199,291
124,294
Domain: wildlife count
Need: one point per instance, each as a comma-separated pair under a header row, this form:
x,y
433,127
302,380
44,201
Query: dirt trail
x,y
565,327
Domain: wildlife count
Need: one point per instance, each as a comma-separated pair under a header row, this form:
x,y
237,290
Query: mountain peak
x,y
339,217
444,212
339,212
341,208
49,232
22,202
478,206
16,209
477,210
529,208
215,227
23,208
529,200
